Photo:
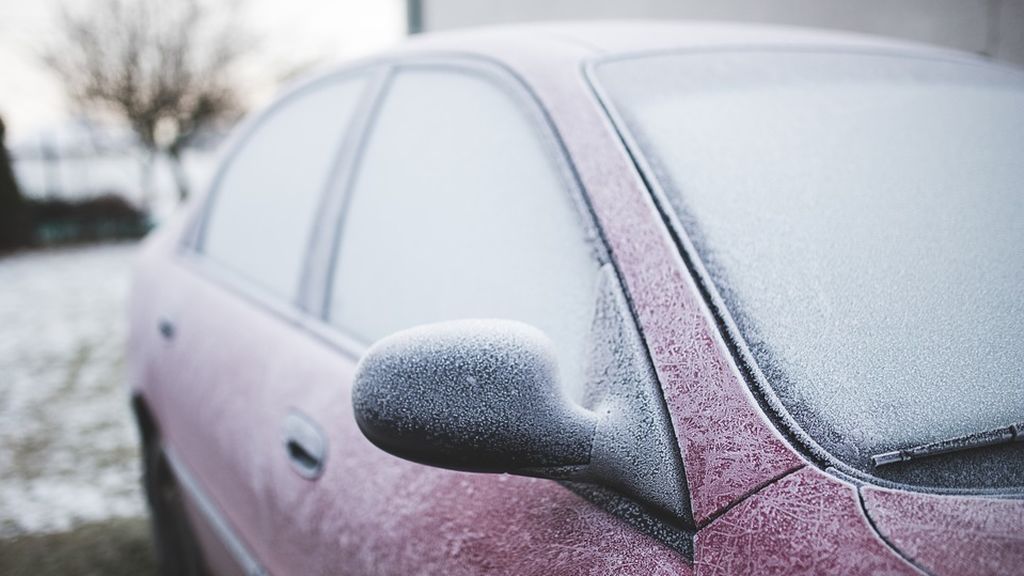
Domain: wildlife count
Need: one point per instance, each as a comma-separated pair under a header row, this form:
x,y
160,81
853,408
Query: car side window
x,y
262,211
463,207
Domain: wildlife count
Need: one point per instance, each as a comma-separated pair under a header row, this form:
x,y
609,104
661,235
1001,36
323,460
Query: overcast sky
x,y
291,32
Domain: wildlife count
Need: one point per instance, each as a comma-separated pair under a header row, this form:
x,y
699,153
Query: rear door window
x,y
260,221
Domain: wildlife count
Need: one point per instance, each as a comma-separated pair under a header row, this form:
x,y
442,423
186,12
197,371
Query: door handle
x,y
305,445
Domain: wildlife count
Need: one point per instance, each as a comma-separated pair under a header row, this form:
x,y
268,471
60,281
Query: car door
x,y
454,202
229,307
461,205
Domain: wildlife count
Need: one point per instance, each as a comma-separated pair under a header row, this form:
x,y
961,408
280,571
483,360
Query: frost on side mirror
x,y
473,395
484,396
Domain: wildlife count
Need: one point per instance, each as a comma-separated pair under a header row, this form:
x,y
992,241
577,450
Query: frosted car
x,y
599,299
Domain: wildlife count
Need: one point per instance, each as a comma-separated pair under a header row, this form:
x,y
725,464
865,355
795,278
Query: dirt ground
x,y
110,548
70,499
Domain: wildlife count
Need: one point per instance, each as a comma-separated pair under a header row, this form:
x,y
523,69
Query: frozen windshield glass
x,y
862,218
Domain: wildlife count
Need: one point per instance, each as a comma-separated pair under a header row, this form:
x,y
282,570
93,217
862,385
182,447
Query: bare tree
x,y
166,67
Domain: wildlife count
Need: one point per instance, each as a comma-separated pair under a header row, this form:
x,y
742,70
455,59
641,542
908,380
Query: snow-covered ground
x,y
68,448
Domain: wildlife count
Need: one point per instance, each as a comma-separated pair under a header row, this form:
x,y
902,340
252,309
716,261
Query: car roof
x,y
609,38
554,48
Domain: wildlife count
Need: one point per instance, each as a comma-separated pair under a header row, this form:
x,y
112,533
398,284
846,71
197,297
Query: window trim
x,y
334,204
315,280
192,242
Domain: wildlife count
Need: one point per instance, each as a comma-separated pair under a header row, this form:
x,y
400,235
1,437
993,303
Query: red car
x,y
610,298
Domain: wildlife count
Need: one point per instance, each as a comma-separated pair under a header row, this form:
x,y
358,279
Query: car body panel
x,y
759,504
947,534
437,521
215,413
805,523
222,553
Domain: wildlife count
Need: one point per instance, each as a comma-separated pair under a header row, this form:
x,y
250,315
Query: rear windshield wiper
x,y
1004,435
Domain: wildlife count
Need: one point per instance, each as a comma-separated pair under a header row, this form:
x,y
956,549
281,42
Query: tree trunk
x,y
180,177
148,196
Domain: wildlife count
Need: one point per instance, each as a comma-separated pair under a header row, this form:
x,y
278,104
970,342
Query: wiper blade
x,y
1004,435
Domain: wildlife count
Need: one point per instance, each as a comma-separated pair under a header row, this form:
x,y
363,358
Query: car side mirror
x,y
484,396
473,395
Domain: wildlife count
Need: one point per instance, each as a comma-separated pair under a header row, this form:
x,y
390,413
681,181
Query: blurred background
x,y
112,113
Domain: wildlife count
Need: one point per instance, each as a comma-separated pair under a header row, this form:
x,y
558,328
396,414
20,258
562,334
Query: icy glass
x,y
263,208
862,218
460,209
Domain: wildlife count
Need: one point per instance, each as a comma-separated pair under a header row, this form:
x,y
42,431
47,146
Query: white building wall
x,y
993,27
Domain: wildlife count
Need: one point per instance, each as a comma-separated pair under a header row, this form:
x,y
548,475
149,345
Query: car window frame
x,y
308,311
189,250
520,94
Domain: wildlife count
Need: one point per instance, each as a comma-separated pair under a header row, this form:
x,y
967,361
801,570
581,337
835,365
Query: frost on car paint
x,y
986,539
806,523
241,365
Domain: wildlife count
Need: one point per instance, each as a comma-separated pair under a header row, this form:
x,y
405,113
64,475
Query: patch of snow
x,y
70,450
